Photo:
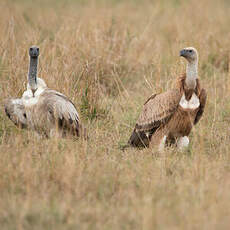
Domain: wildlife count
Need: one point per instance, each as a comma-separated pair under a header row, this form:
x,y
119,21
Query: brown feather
x,y
138,139
158,110
203,99
162,115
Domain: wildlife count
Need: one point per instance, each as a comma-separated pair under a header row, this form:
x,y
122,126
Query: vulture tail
x,y
138,139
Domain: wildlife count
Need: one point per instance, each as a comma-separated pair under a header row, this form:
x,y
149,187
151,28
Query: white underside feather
x,y
28,98
193,103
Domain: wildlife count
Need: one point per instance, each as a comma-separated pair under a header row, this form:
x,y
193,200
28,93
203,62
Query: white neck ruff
x,y
28,98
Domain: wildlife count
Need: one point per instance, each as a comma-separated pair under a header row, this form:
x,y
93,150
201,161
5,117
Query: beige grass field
x,y
109,56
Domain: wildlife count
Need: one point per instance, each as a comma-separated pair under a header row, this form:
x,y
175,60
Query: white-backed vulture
x,y
47,111
168,118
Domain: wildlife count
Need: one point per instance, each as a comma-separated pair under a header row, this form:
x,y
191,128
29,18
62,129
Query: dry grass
x,y
108,57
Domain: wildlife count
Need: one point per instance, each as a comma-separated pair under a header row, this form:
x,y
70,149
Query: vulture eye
x,y
190,51
31,49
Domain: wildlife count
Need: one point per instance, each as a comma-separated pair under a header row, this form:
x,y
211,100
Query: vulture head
x,y
190,54
34,51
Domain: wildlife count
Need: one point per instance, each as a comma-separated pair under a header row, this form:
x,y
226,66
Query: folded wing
x,y
202,98
157,110
62,111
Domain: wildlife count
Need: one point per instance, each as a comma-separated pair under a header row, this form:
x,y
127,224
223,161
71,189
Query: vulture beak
x,y
183,53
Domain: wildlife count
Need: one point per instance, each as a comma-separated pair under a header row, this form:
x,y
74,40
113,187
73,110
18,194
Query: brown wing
x,y
203,98
61,110
157,110
15,110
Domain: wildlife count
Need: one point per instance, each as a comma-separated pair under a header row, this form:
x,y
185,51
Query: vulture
x,y
41,109
167,118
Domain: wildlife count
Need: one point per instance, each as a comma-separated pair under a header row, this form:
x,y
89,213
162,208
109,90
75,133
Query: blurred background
x,y
108,57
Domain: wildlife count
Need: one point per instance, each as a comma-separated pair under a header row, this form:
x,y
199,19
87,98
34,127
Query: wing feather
x,y
62,110
202,98
158,109
15,110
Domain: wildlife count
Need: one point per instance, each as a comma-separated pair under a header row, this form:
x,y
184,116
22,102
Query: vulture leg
x,y
183,143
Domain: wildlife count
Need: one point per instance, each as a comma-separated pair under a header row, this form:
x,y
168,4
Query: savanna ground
x,y
109,57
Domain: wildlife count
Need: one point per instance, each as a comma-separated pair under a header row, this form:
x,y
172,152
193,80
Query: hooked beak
x,y
183,53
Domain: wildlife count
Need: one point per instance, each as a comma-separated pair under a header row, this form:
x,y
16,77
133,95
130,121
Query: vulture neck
x,y
191,74
32,76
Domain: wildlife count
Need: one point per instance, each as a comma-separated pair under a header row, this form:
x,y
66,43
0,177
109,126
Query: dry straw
x,y
108,57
